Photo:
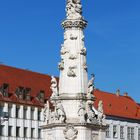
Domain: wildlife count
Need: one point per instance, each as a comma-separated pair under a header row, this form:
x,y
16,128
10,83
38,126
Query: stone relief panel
x,y
73,37
70,132
73,56
72,71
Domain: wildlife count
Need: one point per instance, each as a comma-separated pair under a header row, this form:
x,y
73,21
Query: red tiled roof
x,y
117,105
120,106
15,78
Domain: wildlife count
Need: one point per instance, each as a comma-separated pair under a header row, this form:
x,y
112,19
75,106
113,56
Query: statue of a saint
x,y
60,112
82,112
54,87
101,115
91,87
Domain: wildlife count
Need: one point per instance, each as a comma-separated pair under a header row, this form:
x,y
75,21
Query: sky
x,y
31,36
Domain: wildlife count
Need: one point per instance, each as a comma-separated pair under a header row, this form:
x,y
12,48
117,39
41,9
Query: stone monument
x,y
70,113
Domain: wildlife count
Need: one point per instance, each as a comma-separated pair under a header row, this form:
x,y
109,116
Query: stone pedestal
x,y
74,132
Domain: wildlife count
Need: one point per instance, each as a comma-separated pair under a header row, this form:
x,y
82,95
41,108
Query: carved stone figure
x,y
53,117
61,65
73,37
85,66
73,56
70,133
46,112
54,87
71,72
74,9
90,114
90,87
101,115
82,112
83,51
83,37
60,112
64,50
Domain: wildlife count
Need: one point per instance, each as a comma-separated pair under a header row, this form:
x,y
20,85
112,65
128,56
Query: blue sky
x,y
30,38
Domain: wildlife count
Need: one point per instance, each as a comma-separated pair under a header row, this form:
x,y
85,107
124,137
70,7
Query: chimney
x,y
118,92
125,94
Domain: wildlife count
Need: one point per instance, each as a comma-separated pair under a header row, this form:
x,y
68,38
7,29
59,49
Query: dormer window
x,y
27,92
41,96
4,89
19,92
23,93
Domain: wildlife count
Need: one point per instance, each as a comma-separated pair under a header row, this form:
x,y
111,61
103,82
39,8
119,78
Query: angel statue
x,y
54,87
91,86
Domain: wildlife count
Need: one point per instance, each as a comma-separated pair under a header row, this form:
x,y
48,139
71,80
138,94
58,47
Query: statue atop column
x,y
74,9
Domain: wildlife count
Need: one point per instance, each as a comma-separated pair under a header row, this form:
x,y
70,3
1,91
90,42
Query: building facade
x,y
26,116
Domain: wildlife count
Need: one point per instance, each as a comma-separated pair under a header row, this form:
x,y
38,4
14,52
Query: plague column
x,y
69,112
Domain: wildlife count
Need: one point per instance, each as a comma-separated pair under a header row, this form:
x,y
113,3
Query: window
x,y
39,115
32,132
121,132
139,134
41,96
32,113
130,133
10,111
27,92
108,131
17,112
4,89
17,131
25,132
25,113
1,130
115,135
9,130
39,133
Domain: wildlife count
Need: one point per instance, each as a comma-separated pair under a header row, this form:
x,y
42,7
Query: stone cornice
x,y
68,24
87,125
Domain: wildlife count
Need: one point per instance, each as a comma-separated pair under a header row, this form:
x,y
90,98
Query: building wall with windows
x,y
23,94
24,122
122,130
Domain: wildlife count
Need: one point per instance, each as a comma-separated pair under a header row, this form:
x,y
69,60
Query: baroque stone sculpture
x,y
82,112
54,87
101,116
90,113
60,112
61,65
91,87
71,72
74,9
